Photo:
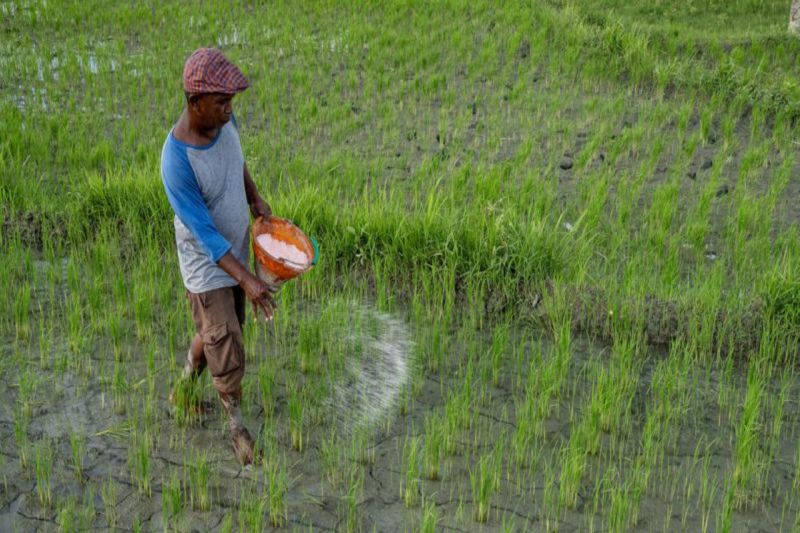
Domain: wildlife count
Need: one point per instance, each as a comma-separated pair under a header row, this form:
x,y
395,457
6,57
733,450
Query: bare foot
x,y
243,446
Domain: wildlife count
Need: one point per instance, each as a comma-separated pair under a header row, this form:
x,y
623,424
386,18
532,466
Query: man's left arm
x,y
258,207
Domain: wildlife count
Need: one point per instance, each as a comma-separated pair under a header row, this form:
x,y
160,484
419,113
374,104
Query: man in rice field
x,y
210,189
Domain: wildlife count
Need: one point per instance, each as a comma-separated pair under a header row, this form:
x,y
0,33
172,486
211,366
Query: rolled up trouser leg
x,y
218,315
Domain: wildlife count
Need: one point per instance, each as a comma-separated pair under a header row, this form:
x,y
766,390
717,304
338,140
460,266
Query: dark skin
x,y
199,125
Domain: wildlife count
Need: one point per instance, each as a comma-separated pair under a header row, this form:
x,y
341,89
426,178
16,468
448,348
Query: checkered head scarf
x,y
208,71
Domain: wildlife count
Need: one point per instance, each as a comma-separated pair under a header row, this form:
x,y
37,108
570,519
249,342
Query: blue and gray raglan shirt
x,y
205,187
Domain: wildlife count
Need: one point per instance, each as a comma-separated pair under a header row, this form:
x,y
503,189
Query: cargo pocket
x,y
222,350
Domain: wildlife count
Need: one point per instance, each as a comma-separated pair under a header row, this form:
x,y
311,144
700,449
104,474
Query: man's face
x,y
214,109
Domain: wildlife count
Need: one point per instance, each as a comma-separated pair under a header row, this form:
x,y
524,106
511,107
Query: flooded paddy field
x,y
371,415
391,421
559,277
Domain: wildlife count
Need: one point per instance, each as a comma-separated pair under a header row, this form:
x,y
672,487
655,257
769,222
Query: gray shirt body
x,y
217,171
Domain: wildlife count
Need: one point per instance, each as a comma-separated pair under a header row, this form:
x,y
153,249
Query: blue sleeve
x,y
186,200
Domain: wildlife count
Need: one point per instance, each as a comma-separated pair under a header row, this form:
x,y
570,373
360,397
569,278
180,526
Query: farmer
x,y
210,189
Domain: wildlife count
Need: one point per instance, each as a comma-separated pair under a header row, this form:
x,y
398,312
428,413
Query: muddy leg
x,y
240,437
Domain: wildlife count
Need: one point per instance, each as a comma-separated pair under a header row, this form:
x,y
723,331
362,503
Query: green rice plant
x,y
172,503
430,517
623,498
142,310
266,387
139,462
76,332
708,494
362,449
524,438
449,428
119,388
21,422
573,467
724,519
777,410
77,443
46,336
309,345
68,516
108,495
332,457
27,385
749,464
186,393
199,480
295,402
459,402
278,486
433,448
482,478
500,342
253,506
20,310
43,462
226,526
410,489
352,499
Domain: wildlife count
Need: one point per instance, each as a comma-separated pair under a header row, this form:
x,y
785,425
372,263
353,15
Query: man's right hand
x,y
258,292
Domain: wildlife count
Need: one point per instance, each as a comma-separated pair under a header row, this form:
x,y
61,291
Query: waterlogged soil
x,y
374,402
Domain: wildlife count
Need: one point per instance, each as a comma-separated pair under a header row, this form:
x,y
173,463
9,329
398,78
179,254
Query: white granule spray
x,y
369,390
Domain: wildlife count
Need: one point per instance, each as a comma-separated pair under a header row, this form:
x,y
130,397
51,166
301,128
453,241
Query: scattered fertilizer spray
x,y
377,344
369,388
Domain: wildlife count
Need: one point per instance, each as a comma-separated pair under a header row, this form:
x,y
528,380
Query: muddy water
x,y
377,390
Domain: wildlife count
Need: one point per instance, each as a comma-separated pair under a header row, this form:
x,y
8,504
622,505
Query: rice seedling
x,y
77,444
296,413
199,479
362,449
430,517
483,481
266,387
277,487
332,458
749,465
433,448
139,455
171,503
352,499
43,463
108,495
20,311
21,437
252,509
410,489
73,515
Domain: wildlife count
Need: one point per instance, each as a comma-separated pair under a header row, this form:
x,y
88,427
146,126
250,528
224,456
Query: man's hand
x,y
260,208
260,295
257,291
